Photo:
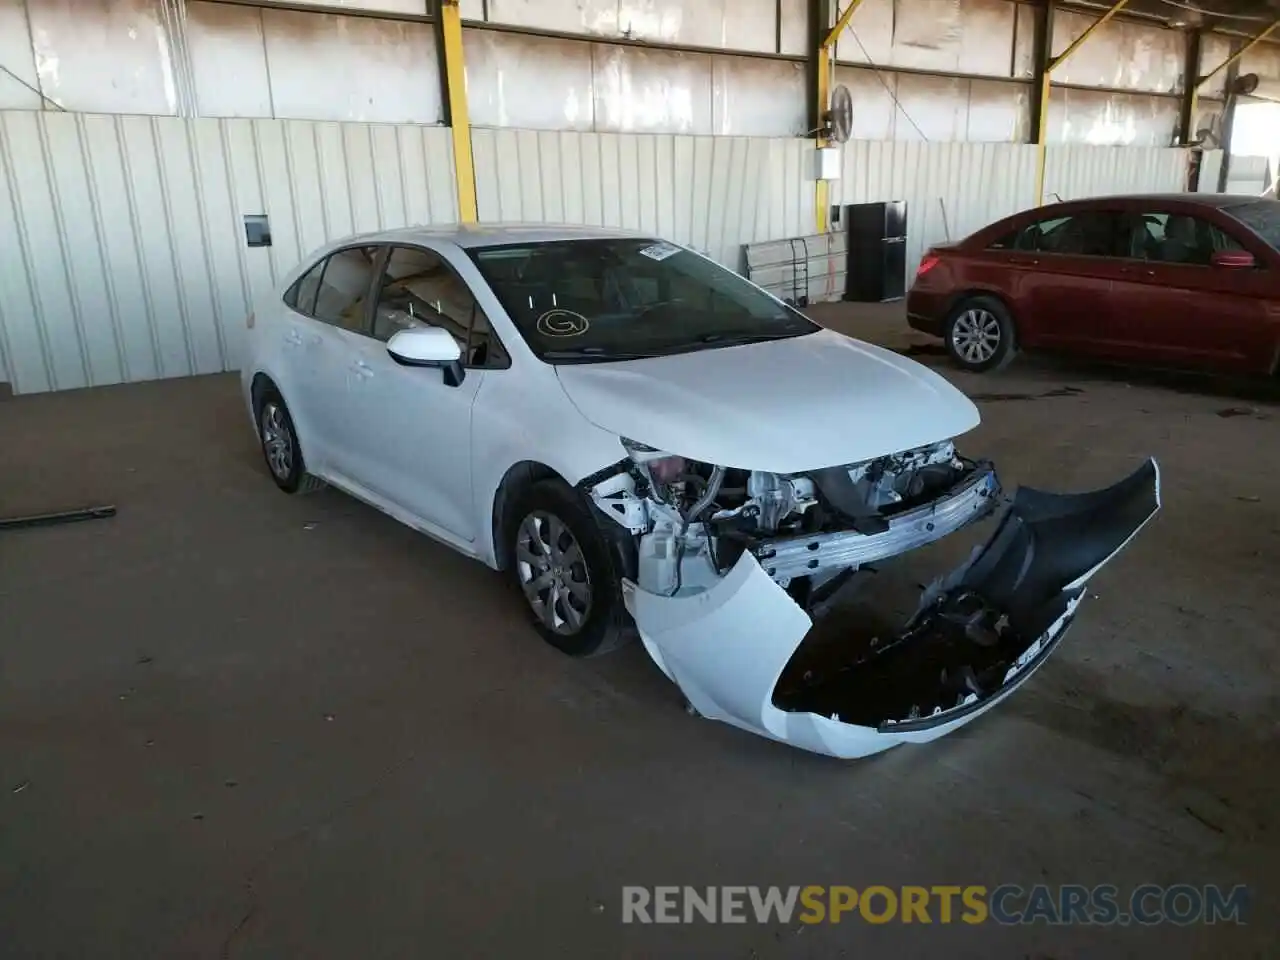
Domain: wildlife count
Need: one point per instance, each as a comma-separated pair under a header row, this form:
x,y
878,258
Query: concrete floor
x,y
235,723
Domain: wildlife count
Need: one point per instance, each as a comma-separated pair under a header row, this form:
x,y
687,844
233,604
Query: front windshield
x,y
1261,216
616,299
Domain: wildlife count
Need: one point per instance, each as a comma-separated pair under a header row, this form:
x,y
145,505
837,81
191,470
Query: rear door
x,y
329,341
1061,272
1174,307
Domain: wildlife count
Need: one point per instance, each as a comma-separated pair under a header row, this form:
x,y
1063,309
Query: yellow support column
x,y
821,203
455,98
1046,64
825,58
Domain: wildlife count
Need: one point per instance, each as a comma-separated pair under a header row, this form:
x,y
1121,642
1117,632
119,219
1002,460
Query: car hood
x,y
784,406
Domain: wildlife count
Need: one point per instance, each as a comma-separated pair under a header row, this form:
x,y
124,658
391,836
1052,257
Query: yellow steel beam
x,y
456,97
843,22
820,194
826,61
1200,81
1046,82
1088,32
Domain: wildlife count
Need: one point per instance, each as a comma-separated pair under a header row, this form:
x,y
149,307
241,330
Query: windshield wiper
x,y
594,353
731,340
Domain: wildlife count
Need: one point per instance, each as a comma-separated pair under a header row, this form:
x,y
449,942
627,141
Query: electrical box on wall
x,y
826,164
257,230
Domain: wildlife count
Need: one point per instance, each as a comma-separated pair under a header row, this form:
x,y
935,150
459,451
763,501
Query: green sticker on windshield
x,y
660,251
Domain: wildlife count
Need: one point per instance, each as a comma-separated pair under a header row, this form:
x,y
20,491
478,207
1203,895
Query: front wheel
x,y
980,334
564,566
280,447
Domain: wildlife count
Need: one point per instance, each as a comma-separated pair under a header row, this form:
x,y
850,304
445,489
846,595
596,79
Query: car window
x,y
484,349
592,300
420,289
302,295
1163,237
344,288
1090,233
1262,216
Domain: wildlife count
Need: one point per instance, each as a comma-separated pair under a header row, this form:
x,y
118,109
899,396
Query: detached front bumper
x,y
978,634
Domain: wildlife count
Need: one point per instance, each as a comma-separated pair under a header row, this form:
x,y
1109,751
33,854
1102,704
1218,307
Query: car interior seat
x,y
1181,243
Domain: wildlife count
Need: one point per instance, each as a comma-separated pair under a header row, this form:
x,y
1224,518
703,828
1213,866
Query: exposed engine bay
x,y
727,556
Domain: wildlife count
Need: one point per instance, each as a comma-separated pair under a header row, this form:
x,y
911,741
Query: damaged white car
x,y
646,442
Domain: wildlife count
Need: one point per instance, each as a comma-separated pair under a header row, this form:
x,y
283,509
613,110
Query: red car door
x,y
1060,275
1174,306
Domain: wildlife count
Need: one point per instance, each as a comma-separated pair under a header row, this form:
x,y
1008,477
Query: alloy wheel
x,y
277,440
976,335
553,573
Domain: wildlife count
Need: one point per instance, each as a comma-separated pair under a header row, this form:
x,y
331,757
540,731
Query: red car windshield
x,y
1260,216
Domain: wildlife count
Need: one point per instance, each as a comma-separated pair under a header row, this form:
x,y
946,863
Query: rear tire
x,y
567,569
980,334
280,449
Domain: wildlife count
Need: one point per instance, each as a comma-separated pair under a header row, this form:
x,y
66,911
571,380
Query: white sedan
x,y
647,443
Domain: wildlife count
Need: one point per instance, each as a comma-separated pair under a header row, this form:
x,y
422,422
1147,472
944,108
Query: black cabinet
x,y
877,251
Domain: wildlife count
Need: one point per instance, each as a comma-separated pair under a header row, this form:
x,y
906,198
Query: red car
x,y
1184,280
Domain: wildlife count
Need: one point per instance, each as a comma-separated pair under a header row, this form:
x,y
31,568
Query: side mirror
x,y
1233,259
428,347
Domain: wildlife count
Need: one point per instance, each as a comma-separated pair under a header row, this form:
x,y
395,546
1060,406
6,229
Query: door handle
x,y
293,338
1024,261
362,369
1144,272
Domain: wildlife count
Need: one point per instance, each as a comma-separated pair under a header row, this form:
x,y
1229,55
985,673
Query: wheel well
x,y
967,295
518,479
261,386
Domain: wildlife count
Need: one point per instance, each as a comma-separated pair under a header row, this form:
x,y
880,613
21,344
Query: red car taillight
x,y
929,261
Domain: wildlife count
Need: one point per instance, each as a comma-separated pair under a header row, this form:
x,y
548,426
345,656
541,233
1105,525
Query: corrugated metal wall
x,y
1072,172
951,189
711,193
124,252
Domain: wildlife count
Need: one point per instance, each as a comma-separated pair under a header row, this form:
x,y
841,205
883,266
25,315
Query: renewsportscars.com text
x,y
1105,904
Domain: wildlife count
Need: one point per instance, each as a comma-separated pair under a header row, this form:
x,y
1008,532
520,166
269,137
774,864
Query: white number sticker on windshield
x,y
660,251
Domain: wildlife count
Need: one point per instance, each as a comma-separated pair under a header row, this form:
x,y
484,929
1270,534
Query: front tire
x,y
280,447
566,568
980,334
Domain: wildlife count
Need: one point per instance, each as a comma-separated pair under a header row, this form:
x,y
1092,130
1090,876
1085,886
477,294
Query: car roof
x,y
468,235
1219,200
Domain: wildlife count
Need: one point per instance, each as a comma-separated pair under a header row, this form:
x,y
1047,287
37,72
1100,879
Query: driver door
x,y
415,436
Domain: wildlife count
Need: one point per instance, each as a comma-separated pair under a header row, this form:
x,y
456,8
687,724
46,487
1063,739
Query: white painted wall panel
x,y
21,90
566,16
962,36
716,24
1121,53
759,98
795,27
228,60
113,57
1100,118
377,6
951,189
712,193
935,108
1210,168
652,91
1075,171
1264,60
1214,50
126,258
537,83
325,67
542,83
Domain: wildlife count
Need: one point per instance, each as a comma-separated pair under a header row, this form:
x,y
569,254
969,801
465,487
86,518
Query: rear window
x,y
1260,216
